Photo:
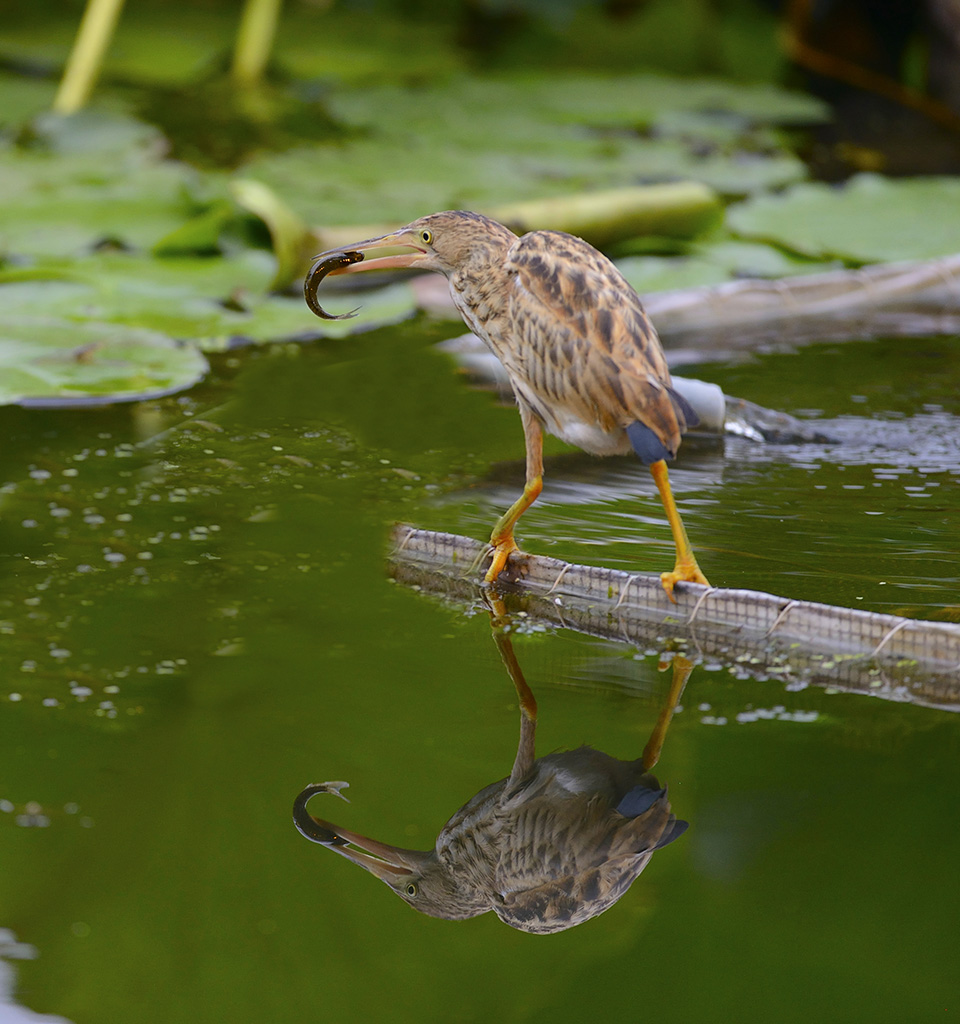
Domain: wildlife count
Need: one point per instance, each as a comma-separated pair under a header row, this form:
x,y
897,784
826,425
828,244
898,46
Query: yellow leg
x,y
528,703
686,568
682,667
501,540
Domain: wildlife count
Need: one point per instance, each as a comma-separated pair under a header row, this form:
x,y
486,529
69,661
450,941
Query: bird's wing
x,y
585,339
570,900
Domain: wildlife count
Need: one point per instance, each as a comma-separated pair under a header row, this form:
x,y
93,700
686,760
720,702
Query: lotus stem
x,y
258,28
83,65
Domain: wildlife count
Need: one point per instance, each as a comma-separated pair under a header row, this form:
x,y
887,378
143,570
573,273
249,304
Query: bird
x,y
554,844
583,357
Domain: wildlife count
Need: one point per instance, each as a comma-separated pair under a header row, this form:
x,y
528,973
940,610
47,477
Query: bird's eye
x,y
426,237
411,889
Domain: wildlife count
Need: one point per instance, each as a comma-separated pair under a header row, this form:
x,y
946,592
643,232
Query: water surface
x,y
197,622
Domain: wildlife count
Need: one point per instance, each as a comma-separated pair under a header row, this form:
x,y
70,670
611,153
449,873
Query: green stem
x,y
258,27
83,65
679,209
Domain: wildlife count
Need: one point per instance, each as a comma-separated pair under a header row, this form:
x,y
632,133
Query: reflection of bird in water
x,y
583,357
557,842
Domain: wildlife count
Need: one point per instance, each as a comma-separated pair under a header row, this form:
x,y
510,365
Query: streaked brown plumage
x,y
582,355
554,844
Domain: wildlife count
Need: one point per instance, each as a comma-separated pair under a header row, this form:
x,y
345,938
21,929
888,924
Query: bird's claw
x,y
682,574
499,555
500,552
482,554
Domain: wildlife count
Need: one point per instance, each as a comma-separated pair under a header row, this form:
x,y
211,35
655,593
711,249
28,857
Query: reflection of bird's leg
x,y
682,667
501,540
686,567
528,707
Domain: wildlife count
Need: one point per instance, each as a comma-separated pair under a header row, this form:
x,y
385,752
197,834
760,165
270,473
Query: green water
x,y
196,621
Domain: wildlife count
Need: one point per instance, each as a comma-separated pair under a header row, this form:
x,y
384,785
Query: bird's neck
x,y
479,288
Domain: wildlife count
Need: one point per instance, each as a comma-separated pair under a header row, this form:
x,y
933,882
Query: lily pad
x,y
397,178
56,362
286,318
482,140
92,179
66,205
97,131
741,259
664,273
870,219
213,303
707,263
23,98
644,99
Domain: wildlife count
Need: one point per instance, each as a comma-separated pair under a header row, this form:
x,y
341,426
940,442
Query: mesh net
x,y
757,634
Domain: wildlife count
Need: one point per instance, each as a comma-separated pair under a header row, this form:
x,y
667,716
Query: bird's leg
x,y
682,667
686,567
501,540
528,705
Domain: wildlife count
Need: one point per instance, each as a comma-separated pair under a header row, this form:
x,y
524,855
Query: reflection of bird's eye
x,y
426,237
411,888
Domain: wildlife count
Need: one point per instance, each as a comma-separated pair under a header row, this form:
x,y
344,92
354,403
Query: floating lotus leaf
x,y
69,203
707,263
99,132
870,219
211,302
398,179
56,362
23,98
643,99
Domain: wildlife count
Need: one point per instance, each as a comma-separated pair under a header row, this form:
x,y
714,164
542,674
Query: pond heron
x,y
554,844
583,357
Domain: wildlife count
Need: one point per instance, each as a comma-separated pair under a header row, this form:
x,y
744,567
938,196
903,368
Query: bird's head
x,y
416,876
442,242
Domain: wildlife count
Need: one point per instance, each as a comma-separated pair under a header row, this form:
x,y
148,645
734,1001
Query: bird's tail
x,y
646,441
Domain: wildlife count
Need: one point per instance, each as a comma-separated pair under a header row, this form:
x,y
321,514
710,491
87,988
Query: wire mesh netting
x,y
754,633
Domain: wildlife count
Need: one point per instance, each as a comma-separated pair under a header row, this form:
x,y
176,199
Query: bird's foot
x,y
499,555
501,551
683,572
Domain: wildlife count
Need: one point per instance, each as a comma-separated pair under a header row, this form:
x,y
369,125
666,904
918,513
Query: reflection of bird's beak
x,y
391,864
395,240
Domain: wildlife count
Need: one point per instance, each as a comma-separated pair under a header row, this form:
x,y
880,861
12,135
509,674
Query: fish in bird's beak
x,y
391,864
345,260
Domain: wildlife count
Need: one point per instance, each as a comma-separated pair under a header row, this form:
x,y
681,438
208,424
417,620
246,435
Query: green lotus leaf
x,y
56,362
870,219
383,180
211,302
200,234
23,98
643,99
708,263
58,204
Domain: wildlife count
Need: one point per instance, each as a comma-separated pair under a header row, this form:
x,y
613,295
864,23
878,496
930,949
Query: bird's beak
x,y
348,258
391,864
402,239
